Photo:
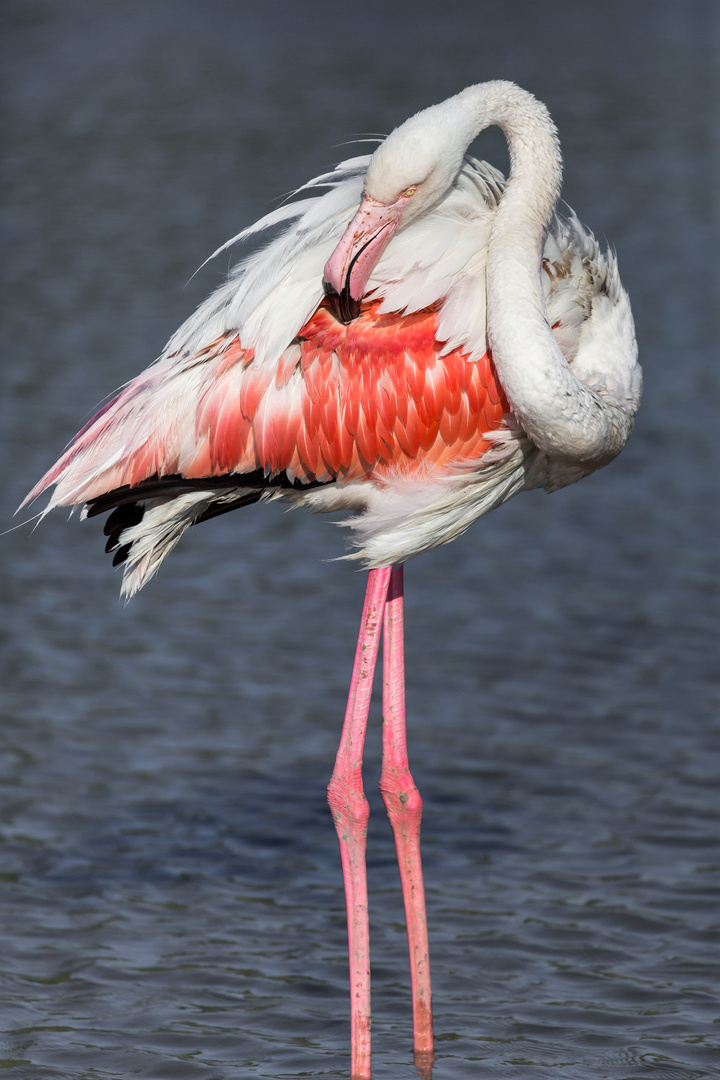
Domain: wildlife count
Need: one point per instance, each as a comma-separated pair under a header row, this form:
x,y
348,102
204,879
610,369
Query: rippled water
x,y
170,892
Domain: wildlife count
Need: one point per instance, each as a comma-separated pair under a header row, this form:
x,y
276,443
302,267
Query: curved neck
x,y
561,415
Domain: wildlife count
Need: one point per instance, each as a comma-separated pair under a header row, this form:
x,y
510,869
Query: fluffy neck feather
x,y
564,417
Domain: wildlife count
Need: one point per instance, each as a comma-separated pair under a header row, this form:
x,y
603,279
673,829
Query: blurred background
x,y
171,899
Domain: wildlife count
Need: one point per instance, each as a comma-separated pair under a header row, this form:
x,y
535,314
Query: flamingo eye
x,y
408,192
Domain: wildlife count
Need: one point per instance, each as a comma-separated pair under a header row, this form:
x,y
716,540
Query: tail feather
x,y
144,532
147,519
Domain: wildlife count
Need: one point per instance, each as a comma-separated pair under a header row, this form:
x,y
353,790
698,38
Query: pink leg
x,y
350,813
404,808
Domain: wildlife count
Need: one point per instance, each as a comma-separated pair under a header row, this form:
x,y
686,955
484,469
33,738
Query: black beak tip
x,y
344,307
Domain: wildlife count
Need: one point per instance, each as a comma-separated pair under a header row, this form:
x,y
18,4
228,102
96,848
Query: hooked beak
x,y
363,242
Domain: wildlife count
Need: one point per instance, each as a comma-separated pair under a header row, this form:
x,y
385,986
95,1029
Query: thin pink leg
x,y
350,813
404,808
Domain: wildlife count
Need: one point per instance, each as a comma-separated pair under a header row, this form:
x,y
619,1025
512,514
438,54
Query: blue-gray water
x,y
170,893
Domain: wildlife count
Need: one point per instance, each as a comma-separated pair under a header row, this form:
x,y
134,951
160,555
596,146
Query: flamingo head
x,y
408,173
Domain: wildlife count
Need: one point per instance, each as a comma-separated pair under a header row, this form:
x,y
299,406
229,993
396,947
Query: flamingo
x,y
418,341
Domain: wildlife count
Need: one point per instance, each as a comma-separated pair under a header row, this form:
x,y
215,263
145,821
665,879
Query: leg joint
x,y
348,804
402,799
